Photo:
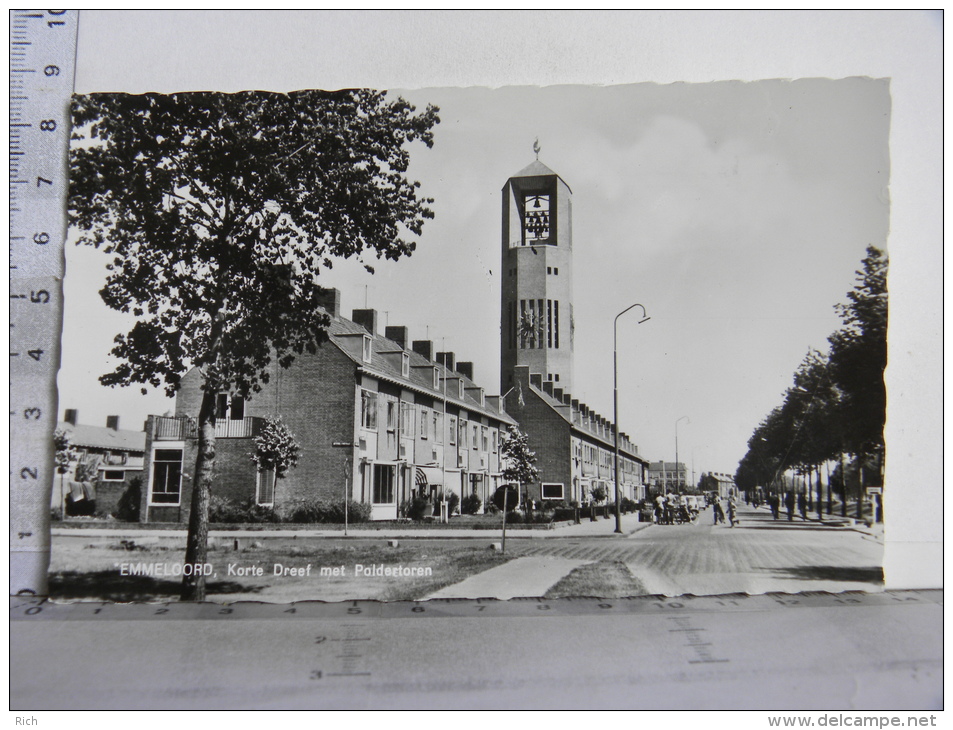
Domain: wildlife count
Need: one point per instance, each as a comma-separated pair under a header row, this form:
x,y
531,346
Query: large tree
x,y
218,212
859,356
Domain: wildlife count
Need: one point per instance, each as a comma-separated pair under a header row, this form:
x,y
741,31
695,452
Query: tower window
x,y
556,270
536,223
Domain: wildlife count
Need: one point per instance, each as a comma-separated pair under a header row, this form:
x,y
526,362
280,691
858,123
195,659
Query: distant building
x,y
378,418
575,446
667,476
113,456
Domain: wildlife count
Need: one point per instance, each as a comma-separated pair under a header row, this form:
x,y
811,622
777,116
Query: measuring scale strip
x,y
42,59
27,609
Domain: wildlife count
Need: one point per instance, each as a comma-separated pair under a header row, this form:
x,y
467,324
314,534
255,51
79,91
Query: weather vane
x,y
536,147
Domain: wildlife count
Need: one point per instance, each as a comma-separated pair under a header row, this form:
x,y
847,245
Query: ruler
x,y
42,62
41,609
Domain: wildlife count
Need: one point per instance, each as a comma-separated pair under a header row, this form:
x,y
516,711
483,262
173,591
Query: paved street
x,y
759,555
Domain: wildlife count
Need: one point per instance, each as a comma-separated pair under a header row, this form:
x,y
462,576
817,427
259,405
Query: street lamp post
x,y
615,404
678,472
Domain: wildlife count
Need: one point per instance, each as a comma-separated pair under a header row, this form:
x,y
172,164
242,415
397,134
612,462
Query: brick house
x,y
667,476
575,446
114,455
377,417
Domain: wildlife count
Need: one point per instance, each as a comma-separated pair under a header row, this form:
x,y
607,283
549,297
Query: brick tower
x,y
536,307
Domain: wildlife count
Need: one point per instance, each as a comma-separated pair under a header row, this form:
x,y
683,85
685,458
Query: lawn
x,y
598,580
111,569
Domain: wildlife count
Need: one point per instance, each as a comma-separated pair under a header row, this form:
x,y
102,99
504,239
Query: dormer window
x,y
405,365
460,388
436,379
368,349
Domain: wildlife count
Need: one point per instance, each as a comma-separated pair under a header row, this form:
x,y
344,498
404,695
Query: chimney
x,y
330,299
400,335
70,416
112,422
367,318
423,348
447,359
465,369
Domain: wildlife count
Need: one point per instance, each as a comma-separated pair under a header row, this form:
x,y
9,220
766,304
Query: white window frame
x,y
166,446
562,490
424,422
261,475
106,478
367,350
405,365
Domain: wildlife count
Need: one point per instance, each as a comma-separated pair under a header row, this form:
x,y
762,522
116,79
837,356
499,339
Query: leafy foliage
x,y
519,462
218,212
65,452
275,448
837,403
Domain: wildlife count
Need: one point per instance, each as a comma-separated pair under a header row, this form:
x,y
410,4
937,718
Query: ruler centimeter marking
x,y
26,609
42,62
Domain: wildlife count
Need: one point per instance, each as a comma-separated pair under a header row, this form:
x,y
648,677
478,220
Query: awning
x,y
428,475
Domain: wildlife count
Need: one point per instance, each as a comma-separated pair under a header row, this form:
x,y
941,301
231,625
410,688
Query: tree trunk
x,y
196,552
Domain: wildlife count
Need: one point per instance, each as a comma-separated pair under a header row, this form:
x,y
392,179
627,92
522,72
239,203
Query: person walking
x,y
789,503
802,505
775,502
718,510
732,511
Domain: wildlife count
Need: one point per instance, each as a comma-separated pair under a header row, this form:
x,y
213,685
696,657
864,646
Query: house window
x,y
424,423
369,410
438,427
552,491
391,410
476,436
265,492
493,437
453,430
237,409
113,475
407,420
555,271
368,350
231,408
405,364
463,432
383,484
221,405
486,438
166,476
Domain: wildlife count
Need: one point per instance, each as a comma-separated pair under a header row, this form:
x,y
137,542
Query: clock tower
x,y
536,313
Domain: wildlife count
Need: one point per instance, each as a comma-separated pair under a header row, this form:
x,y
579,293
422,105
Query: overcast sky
x,y
736,213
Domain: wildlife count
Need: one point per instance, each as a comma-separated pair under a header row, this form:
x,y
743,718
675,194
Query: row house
x,y
668,476
379,418
112,456
574,445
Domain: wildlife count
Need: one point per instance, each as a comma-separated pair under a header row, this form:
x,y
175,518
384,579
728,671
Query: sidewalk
x,y
531,576
600,528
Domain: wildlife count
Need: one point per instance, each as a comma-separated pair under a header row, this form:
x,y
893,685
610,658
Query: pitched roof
x,y
100,437
419,378
565,412
538,169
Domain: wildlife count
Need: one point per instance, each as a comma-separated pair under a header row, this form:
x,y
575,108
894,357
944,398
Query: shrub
x,y
329,511
598,494
420,507
514,518
471,504
127,509
222,509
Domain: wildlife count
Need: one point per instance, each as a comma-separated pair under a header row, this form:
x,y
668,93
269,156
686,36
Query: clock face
x,y
535,219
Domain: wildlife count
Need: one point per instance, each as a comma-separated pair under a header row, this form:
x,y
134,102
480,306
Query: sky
x,y
735,212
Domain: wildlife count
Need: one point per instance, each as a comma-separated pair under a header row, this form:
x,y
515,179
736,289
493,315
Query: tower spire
x,y
536,147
